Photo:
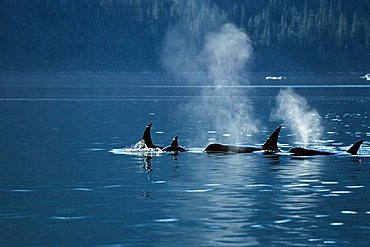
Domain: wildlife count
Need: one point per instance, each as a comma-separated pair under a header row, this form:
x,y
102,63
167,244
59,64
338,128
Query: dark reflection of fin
x,y
147,163
274,159
274,162
355,147
146,194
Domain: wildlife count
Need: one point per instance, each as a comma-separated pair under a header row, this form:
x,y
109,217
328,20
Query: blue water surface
x,y
61,186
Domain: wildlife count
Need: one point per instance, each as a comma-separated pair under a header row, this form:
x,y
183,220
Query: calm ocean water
x,y
60,185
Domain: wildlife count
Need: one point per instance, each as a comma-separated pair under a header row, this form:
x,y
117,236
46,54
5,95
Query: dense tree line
x,y
319,34
322,35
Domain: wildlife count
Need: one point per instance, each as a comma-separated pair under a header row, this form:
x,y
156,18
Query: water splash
x,y
298,116
139,149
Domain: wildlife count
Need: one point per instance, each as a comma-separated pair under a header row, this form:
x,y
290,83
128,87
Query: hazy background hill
x,y
127,35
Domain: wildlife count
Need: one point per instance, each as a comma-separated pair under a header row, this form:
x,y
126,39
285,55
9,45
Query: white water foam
x,y
139,149
138,152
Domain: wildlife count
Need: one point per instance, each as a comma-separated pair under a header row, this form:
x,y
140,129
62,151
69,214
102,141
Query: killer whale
x,y
270,146
148,143
174,147
147,138
300,151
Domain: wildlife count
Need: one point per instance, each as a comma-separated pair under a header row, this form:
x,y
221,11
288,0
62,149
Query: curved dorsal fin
x,y
271,143
355,147
147,138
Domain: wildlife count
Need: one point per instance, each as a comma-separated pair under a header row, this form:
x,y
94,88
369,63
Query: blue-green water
x,y
60,185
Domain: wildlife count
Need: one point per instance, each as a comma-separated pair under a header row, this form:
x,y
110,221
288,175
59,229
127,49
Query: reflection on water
x,y
58,178
264,200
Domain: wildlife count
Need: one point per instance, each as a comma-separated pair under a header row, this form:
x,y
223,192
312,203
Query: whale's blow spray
x,y
297,115
225,56
183,42
220,52
226,53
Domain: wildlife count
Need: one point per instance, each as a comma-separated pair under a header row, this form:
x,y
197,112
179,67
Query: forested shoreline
x,y
127,35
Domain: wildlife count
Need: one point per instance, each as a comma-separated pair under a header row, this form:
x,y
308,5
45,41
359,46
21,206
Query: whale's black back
x,y
174,147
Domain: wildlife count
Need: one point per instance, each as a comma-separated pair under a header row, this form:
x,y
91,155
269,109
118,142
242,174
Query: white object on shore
x,y
274,77
367,77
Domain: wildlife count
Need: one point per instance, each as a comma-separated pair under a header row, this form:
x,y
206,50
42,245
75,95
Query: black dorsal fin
x,y
147,138
355,147
271,143
175,142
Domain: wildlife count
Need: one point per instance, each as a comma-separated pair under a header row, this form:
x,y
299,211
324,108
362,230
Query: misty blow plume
x,y
298,116
222,56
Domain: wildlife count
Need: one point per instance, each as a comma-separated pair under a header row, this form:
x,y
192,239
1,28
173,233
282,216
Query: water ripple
x,y
21,190
14,216
348,212
341,192
82,189
282,221
198,190
336,224
354,186
329,182
168,220
69,217
112,186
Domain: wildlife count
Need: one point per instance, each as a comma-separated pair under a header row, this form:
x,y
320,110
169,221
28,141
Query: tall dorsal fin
x,y
147,138
175,143
355,147
271,143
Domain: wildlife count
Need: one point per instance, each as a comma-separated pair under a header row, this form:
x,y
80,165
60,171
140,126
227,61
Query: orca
x,y
174,147
300,151
270,146
147,138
